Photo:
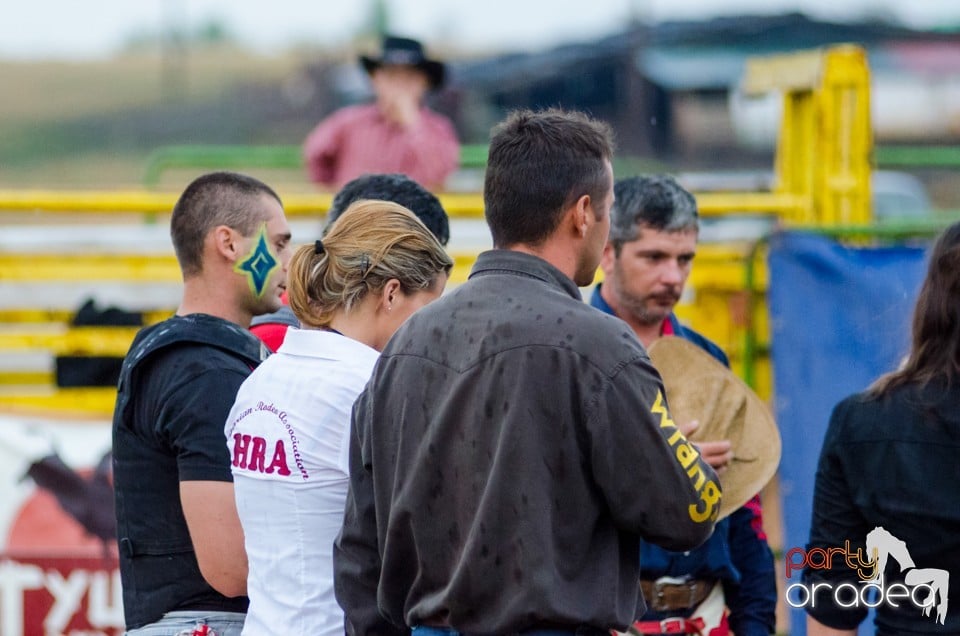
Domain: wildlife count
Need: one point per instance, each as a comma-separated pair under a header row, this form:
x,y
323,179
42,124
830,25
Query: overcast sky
x,y
68,29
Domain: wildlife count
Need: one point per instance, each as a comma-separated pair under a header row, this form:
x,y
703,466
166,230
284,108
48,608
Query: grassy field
x,y
52,114
52,91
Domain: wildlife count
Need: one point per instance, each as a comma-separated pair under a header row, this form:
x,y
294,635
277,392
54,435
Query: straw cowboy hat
x,y
406,52
701,388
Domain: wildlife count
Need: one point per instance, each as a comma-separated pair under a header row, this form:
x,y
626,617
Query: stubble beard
x,y
642,309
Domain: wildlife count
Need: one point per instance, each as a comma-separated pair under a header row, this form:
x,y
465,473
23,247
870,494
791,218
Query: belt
x,y
426,630
668,594
667,626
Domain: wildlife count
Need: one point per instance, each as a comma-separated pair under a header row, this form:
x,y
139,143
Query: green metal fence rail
x,y
237,157
228,157
917,156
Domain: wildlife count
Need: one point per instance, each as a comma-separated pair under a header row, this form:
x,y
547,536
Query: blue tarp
x,y
840,317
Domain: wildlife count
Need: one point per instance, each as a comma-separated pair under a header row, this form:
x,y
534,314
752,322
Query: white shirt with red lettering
x,y
288,437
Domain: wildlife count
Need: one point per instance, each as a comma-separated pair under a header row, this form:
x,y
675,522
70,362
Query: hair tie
x,y
318,247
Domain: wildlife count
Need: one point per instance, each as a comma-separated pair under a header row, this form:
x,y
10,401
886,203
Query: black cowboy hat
x,y
407,52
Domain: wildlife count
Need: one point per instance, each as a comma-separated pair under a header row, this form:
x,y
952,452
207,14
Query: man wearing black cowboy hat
x,y
397,133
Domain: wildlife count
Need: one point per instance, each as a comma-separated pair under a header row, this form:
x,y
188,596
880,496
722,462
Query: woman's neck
x,y
359,324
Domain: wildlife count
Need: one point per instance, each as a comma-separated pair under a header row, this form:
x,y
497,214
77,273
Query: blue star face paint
x,y
259,264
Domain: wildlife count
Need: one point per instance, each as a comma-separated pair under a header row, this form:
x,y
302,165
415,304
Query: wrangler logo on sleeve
x,y
708,507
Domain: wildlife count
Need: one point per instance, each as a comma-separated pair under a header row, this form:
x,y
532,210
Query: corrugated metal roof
x,y
709,54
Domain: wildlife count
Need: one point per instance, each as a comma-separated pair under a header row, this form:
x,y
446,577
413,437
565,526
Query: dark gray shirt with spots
x,y
509,453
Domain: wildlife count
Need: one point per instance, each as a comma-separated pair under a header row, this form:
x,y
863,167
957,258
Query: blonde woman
x,y
288,430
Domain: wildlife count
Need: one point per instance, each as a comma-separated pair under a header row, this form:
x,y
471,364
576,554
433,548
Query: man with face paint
x,y
182,562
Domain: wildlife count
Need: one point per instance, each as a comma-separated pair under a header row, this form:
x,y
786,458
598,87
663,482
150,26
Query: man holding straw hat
x,y
728,583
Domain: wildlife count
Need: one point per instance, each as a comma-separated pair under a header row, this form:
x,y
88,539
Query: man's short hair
x,y
657,202
540,163
397,188
217,198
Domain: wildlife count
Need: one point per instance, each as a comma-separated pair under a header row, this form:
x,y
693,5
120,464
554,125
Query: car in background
x,y
899,195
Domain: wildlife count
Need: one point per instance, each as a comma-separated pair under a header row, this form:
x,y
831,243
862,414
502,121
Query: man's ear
x,y
607,259
582,215
226,241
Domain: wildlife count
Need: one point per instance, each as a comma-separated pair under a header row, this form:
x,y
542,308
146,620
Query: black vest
x,y
158,565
